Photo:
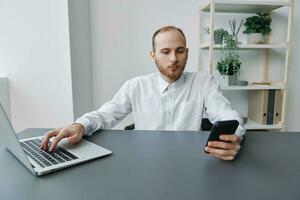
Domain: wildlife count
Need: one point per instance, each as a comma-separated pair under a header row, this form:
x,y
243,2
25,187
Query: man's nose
x,y
173,57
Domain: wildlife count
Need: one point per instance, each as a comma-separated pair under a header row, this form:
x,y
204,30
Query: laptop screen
x,y
10,141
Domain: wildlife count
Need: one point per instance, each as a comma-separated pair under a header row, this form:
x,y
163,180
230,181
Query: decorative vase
x,y
232,79
255,38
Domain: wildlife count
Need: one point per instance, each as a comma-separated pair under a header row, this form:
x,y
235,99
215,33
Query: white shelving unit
x,y
214,7
251,125
248,46
224,6
275,86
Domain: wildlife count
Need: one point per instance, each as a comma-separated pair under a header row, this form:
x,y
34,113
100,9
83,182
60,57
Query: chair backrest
x,y
206,125
129,127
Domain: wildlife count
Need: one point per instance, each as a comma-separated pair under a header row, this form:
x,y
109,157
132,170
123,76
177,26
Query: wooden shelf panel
x,y
247,46
251,125
275,86
224,6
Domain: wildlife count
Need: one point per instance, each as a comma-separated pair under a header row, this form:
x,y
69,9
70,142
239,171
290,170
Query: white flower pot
x,y
232,79
223,80
255,38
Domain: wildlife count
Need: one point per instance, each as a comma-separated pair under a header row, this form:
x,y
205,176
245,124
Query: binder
x,y
278,106
264,106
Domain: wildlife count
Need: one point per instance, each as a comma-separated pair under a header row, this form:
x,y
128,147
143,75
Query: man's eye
x,y
165,52
180,51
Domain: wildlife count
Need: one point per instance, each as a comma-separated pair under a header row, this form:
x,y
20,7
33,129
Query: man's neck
x,y
168,80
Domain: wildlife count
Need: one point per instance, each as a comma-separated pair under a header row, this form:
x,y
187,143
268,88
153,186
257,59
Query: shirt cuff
x,y
88,129
240,131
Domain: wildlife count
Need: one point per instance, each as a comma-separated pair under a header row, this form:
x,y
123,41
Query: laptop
x,y
41,162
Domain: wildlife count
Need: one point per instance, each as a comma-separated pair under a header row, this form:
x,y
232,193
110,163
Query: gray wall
x,y
79,22
294,80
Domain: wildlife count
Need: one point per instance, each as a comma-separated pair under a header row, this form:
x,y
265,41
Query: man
x,y
168,100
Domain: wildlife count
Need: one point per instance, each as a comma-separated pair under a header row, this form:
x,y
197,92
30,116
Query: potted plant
x,y
229,42
229,66
219,34
257,27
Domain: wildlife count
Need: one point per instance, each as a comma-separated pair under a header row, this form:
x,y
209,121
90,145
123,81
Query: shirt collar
x,y
163,85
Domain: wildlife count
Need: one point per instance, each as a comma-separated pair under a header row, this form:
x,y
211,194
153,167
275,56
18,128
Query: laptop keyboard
x,y
44,158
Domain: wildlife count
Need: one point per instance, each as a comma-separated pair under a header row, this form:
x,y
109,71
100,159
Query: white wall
x,y
35,53
121,34
121,39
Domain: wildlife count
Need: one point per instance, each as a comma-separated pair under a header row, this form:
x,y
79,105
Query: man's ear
x,y
152,55
187,53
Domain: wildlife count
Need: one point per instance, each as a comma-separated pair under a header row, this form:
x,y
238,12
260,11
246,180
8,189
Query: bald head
x,y
166,29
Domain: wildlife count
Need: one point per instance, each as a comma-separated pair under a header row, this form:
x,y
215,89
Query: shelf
x,y
275,86
251,125
247,46
224,6
259,95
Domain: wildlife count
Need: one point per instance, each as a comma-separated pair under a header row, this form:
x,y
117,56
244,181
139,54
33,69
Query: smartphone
x,y
222,128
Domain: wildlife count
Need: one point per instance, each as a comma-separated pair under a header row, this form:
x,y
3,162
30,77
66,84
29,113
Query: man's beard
x,y
172,72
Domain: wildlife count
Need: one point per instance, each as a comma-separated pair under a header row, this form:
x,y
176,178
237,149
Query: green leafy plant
x,y
260,23
219,35
234,28
229,42
230,63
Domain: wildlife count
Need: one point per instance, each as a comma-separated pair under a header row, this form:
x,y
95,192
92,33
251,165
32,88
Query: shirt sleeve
x,y
218,108
108,115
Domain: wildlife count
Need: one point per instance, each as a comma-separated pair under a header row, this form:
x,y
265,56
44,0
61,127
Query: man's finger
x,y
221,152
58,138
230,138
231,157
47,136
222,145
222,157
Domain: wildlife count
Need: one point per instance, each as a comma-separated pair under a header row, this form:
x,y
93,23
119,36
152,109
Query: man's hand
x,y
73,132
226,149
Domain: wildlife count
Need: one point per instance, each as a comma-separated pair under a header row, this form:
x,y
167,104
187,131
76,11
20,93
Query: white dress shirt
x,y
158,105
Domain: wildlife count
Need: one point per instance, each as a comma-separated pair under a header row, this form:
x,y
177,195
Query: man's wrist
x,y
80,127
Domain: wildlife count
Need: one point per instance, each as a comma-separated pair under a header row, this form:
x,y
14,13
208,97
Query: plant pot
x,y
223,80
232,79
255,38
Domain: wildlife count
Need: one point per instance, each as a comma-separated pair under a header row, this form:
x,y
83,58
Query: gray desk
x,y
164,165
